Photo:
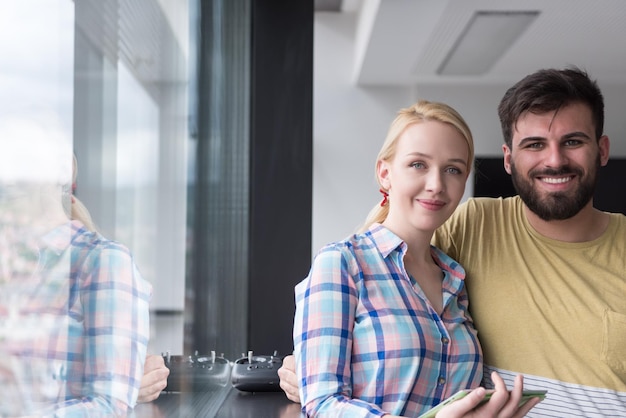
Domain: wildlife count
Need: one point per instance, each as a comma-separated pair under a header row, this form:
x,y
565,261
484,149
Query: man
x,y
546,271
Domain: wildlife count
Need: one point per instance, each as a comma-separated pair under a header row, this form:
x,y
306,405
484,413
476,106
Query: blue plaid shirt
x,y
80,329
367,341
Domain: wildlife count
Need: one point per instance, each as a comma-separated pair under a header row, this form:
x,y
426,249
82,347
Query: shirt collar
x,y
60,238
387,242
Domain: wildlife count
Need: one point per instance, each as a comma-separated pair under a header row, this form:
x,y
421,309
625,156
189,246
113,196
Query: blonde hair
x,y
422,111
78,210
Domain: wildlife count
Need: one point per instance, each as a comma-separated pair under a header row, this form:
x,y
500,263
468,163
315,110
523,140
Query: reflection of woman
x,y
382,324
154,379
81,300
78,210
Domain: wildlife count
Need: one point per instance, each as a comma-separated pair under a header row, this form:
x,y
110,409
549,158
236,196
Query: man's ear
x,y
507,158
604,145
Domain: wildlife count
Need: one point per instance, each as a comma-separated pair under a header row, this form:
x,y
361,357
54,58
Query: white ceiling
x,y
403,42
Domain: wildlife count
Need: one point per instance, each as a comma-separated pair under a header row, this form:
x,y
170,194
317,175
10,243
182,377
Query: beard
x,y
559,205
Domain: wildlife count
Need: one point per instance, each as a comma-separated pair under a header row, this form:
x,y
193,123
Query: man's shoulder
x,y
617,227
620,218
488,205
478,217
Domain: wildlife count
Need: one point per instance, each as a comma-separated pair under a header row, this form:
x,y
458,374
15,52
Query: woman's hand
x,y
288,378
154,378
503,404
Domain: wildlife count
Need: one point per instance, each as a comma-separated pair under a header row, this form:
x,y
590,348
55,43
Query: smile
x,y
431,204
554,180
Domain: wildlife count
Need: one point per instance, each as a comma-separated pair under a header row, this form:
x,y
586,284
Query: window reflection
x,y
106,80
131,137
137,167
74,313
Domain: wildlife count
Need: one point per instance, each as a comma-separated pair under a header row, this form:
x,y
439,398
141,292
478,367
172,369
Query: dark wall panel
x,y
492,181
281,167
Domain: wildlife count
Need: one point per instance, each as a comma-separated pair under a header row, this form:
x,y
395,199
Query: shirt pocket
x,y
614,341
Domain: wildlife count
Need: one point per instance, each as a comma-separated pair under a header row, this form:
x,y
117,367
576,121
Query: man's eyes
x,y
570,142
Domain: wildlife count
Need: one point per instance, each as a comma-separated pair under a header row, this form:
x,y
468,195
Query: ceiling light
x,y
485,39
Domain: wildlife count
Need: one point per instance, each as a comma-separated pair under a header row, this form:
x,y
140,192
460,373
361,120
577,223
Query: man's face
x,y
554,161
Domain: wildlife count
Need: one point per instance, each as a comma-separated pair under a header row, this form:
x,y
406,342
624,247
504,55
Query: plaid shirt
x,y
75,330
366,340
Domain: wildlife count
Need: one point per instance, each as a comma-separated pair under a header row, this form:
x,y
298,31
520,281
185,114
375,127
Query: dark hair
x,y
547,90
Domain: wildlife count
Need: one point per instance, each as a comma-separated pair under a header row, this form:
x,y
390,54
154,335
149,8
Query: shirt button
x,y
445,340
441,380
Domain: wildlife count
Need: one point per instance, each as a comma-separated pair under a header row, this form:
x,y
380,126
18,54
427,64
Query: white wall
x,y
350,123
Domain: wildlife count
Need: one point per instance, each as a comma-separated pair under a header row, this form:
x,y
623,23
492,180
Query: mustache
x,y
565,170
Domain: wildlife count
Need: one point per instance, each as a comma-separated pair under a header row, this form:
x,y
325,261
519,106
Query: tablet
x,y
526,396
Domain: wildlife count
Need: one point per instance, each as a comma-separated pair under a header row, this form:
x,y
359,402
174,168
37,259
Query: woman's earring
x,y
385,197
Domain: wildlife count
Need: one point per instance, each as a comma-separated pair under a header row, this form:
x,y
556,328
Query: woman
x,y
74,310
155,374
382,324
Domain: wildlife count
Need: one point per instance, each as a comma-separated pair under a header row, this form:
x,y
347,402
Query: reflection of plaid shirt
x,y
366,340
87,309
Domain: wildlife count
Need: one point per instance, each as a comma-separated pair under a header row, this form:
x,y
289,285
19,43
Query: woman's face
x,y
426,177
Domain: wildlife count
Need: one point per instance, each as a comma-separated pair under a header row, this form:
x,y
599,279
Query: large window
x,y
191,121
110,78
131,136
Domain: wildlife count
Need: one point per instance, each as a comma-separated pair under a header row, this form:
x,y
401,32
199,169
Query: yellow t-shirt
x,y
552,310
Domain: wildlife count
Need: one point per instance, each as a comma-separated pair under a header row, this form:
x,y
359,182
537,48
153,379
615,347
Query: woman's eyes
x,y
450,170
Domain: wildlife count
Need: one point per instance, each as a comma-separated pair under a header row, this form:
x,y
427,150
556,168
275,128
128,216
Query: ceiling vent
x,y
485,39
328,5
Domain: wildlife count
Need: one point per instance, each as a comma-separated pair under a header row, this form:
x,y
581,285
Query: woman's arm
x,y
115,308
